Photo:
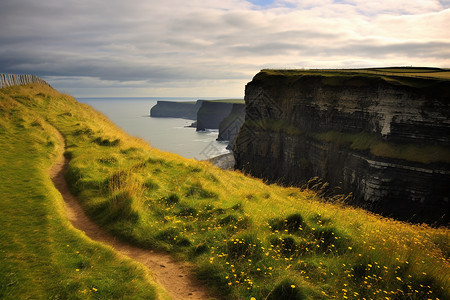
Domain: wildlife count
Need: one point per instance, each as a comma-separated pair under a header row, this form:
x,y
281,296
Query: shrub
x,y
292,223
286,290
170,200
286,245
244,247
151,185
186,211
106,142
196,190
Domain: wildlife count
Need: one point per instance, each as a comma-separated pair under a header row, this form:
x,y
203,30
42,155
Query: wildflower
x,y
293,286
252,298
94,289
398,278
77,270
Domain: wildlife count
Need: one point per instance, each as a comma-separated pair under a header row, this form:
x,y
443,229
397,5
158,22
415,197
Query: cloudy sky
x,y
206,48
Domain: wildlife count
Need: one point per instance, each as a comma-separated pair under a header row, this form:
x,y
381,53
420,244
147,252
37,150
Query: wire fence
x,y
22,79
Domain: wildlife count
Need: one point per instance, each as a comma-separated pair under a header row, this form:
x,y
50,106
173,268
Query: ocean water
x,y
167,134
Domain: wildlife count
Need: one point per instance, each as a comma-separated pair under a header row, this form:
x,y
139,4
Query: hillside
x,y
244,237
41,255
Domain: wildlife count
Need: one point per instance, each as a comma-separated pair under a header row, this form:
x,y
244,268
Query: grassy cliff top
x,y
427,73
245,238
227,101
218,100
399,76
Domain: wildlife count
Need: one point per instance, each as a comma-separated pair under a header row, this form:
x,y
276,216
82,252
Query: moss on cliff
x,y
377,146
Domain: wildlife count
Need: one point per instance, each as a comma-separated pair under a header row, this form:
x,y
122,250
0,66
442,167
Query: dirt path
x,y
174,276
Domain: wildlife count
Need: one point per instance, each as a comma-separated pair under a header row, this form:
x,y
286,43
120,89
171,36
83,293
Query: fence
x,y
12,79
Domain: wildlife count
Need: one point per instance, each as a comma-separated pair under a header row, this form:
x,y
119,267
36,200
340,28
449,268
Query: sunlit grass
x,y
41,255
430,73
245,238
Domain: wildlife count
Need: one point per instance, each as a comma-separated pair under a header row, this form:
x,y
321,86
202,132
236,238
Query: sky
x,y
211,48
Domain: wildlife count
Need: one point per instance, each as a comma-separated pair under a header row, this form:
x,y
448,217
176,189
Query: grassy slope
x,y
248,239
42,256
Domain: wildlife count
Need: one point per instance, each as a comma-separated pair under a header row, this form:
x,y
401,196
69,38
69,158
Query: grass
x,y
430,73
238,101
245,238
41,255
433,79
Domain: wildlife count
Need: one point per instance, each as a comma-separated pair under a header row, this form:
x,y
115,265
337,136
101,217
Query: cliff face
x,y
173,109
229,127
383,140
211,114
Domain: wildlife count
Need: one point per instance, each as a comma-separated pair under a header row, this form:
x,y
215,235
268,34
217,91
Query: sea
x,y
167,134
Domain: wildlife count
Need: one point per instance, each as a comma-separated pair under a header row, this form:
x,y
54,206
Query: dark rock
x,y
211,113
356,133
229,127
173,109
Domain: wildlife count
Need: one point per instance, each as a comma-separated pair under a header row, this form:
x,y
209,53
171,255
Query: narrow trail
x,y
174,276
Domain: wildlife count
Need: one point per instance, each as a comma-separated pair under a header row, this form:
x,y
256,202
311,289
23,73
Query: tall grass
x,y
244,238
41,255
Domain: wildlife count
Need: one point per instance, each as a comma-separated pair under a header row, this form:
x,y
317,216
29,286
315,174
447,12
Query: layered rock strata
x,y
229,127
211,113
383,139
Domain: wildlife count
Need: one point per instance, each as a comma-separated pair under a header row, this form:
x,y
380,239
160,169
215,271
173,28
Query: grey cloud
x,y
151,43
406,49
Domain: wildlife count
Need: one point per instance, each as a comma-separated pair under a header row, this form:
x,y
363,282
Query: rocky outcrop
x,y
174,109
211,113
229,127
383,139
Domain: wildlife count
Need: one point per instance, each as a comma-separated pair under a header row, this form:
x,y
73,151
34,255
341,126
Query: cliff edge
x,y
382,135
176,109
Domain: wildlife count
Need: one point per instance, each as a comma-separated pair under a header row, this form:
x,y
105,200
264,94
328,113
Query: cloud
x,y
201,46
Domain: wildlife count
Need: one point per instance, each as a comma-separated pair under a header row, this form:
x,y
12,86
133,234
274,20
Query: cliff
x,y
229,127
383,138
174,109
211,113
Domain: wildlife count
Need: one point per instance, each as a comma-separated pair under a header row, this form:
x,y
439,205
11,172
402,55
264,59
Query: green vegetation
x,y
245,238
431,78
41,255
429,73
239,101
377,146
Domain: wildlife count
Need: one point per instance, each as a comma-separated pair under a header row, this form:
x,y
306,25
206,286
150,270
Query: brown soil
x,y
174,276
